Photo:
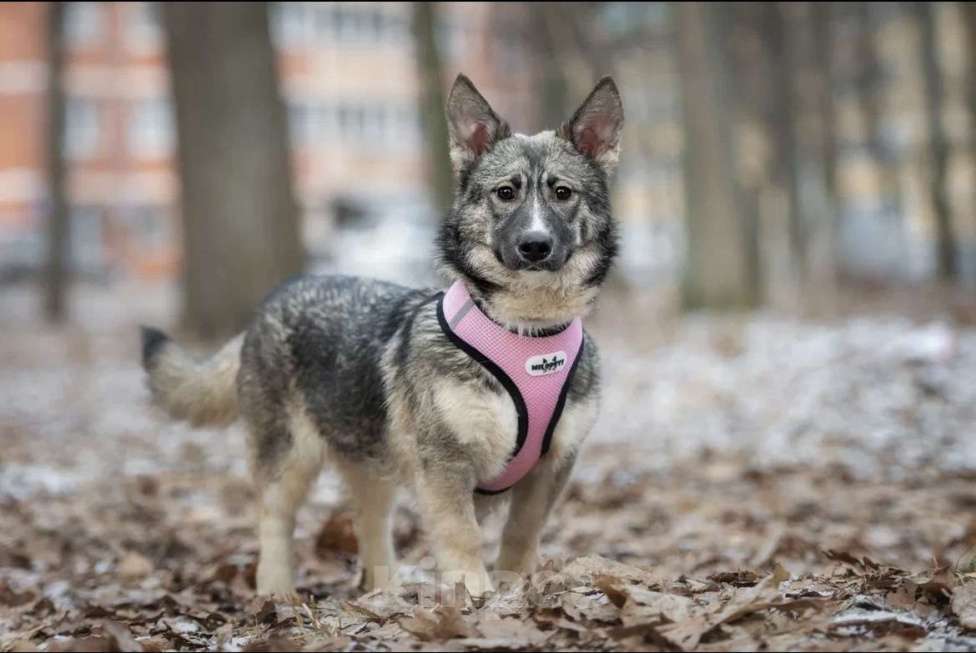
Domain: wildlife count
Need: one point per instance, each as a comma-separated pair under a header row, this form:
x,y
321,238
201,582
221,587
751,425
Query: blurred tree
x,y
572,54
947,266
869,81
432,103
56,277
821,18
241,228
818,138
781,117
554,89
717,272
744,89
969,19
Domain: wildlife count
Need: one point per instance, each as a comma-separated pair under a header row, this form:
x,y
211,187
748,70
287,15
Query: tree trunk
x,y
947,266
823,47
432,104
56,277
825,228
969,19
781,123
554,91
741,89
241,230
717,271
873,110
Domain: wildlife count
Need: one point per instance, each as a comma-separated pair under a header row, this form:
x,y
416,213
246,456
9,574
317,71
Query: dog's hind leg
x,y
373,497
286,460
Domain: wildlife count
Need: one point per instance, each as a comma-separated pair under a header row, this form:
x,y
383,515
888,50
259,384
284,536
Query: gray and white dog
x,y
359,371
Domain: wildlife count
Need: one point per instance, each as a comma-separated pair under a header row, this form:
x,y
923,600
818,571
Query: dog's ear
x,y
594,130
471,123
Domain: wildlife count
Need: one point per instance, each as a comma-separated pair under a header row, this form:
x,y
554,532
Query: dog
x,y
370,376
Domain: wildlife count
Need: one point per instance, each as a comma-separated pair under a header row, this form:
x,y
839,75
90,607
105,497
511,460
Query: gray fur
x,y
362,359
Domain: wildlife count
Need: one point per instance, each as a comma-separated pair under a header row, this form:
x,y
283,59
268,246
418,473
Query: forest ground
x,y
754,482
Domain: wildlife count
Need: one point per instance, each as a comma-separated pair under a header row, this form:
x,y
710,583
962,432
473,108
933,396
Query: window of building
x,y
82,23
150,130
325,22
87,238
292,24
448,35
149,227
397,24
144,26
305,24
376,124
82,128
298,123
354,122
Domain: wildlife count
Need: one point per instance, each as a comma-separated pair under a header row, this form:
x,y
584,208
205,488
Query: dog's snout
x,y
535,247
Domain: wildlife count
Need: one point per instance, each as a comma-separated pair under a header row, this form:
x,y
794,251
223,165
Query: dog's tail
x,y
201,392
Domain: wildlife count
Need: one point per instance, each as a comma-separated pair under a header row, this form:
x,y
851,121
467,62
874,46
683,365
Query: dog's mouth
x,y
514,263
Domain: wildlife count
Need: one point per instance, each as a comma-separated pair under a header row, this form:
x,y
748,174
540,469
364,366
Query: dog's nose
x,y
535,247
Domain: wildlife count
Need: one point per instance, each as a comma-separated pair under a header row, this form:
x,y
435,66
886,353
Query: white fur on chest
x,y
486,423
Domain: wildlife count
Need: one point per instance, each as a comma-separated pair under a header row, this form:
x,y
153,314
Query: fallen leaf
x,y
134,566
647,606
443,622
583,606
266,612
610,586
123,639
11,598
337,536
273,644
740,578
964,605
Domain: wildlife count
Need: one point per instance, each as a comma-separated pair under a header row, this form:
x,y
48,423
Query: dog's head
x,y
531,231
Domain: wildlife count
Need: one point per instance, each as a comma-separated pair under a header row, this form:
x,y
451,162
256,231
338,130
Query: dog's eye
x,y
563,193
506,193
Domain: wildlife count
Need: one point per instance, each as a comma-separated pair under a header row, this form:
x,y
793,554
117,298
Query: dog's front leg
x,y
532,499
446,497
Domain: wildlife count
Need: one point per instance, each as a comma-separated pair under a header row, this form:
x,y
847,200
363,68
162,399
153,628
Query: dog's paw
x,y
516,563
276,582
376,578
477,583
292,598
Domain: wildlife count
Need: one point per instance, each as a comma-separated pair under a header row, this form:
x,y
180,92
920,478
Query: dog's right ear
x,y
471,123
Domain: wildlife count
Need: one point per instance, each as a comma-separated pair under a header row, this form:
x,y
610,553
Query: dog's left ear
x,y
471,123
594,130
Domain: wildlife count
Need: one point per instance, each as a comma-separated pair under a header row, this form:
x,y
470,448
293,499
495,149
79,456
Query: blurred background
x,y
788,338
805,148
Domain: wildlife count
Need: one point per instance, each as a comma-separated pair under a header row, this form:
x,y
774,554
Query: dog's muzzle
x,y
534,250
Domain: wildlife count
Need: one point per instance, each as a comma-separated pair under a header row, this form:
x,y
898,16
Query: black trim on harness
x,y
558,410
498,373
513,391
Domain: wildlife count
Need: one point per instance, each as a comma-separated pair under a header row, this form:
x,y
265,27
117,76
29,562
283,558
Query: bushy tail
x,y
203,393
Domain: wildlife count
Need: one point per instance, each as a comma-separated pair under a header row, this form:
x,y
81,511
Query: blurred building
x,y
348,74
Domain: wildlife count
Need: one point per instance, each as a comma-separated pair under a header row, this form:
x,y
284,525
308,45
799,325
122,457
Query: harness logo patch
x,y
546,363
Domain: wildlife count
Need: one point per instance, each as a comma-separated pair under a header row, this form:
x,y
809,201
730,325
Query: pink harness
x,y
536,372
